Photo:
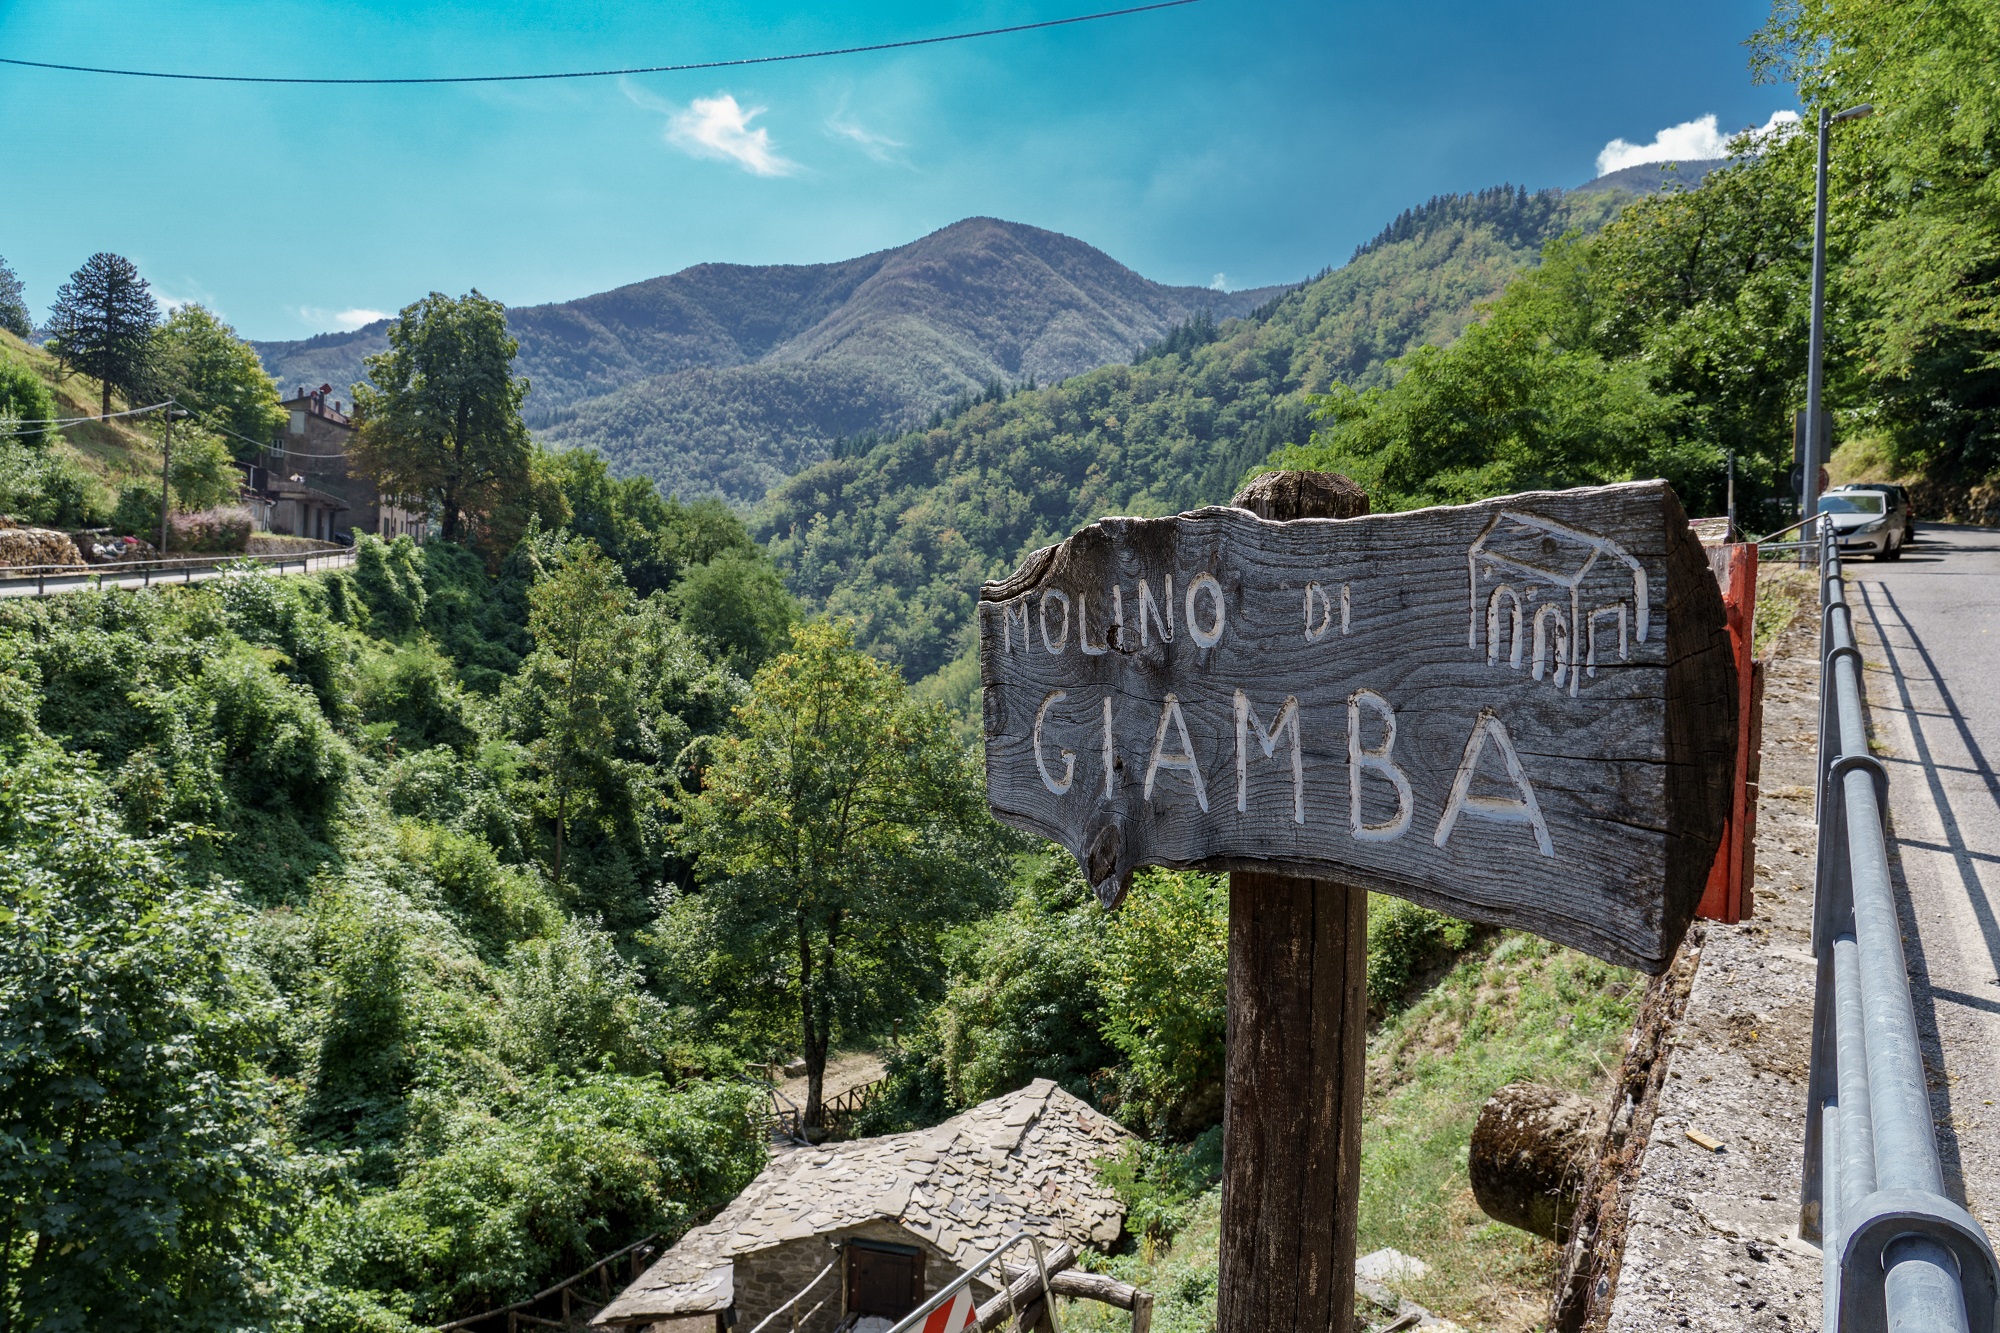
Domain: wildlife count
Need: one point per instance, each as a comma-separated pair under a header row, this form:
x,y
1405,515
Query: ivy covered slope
x,y
309,1016
900,533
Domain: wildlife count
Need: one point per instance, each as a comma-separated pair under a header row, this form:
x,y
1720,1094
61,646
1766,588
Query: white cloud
x,y
344,320
878,146
1219,283
1690,141
717,127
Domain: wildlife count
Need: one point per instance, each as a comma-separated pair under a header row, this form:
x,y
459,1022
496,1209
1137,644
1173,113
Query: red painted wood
x,y
1726,897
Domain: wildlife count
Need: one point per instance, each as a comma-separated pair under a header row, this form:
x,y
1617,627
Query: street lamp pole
x,y
1815,354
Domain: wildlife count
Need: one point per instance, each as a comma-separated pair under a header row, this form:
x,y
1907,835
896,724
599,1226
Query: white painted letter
x,y
1170,711
1246,720
1500,809
1495,623
1068,758
1148,609
1360,760
1008,613
1061,641
1314,633
1205,637
1346,612
1118,619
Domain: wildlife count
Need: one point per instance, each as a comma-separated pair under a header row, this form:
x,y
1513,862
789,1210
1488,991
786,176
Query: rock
x,y
1531,1152
1385,1266
796,1069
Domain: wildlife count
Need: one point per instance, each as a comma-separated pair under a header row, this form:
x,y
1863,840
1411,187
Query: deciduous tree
x,y
198,361
440,426
839,831
102,324
13,304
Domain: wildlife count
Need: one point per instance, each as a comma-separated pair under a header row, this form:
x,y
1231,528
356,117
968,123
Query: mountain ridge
x,y
886,338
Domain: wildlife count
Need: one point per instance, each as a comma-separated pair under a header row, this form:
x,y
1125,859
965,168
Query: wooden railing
x,y
563,1306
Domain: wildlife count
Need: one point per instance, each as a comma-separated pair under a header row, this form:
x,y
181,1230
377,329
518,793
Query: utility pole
x,y
1815,368
166,470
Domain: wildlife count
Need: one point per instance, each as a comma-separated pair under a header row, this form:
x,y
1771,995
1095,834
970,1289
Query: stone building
x,y
894,1219
306,486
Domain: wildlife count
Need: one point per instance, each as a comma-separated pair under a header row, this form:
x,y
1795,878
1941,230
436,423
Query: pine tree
x,y
102,323
13,309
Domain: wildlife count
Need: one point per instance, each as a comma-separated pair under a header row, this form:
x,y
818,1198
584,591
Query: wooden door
x,y
886,1280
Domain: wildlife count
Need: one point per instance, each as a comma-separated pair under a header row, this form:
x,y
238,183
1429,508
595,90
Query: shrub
x,y
540,1186
224,528
1405,941
141,1152
414,690
496,906
1163,976
570,1003
390,578
47,486
138,513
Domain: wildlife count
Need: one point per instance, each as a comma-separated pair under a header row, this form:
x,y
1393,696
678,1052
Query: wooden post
x,y
1298,1034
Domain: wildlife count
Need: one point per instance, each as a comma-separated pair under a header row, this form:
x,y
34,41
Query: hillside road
x,y
1929,628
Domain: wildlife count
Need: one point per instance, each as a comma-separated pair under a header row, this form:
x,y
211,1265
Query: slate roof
x,y
1023,1161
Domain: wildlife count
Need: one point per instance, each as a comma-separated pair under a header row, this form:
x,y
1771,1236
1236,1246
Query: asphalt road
x,y
1930,632
101,579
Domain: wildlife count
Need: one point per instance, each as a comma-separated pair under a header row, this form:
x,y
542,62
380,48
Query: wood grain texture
x,y
1165,735
1291,1170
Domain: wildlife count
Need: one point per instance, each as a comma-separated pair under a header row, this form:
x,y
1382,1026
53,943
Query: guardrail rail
x,y
71,578
1898,1254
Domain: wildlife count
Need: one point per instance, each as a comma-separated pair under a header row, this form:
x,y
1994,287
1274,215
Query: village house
x,y
305,485
895,1218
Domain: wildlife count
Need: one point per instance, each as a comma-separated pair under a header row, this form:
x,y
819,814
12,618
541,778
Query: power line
x,y
609,73
43,425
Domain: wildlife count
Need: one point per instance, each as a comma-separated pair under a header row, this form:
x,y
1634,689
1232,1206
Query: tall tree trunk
x,y
812,1036
562,822
104,398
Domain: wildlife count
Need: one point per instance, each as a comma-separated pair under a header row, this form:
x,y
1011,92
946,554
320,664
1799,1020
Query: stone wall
x,y
766,1279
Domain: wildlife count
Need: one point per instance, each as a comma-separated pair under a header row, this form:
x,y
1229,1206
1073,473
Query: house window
x,y
883,1279
298,421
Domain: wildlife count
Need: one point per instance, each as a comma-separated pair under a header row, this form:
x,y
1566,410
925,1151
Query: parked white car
x,y
1869,520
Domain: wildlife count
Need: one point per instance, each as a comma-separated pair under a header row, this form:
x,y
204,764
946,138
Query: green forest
x,y
380,946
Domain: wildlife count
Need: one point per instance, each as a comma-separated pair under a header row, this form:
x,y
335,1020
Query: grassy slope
x,y
1513,1007
117,454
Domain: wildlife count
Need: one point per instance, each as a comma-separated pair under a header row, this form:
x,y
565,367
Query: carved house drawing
x,y
1551,598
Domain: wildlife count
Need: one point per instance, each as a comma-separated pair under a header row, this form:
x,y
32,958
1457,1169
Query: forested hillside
x,y
726,378
899,534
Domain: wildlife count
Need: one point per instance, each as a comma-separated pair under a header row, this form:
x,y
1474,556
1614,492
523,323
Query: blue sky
x,y
1254,140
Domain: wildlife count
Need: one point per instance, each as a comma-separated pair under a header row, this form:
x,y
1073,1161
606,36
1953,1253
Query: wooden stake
x,y
1298,1034
1291,1166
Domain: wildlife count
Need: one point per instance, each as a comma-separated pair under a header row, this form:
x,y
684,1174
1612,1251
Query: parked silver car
x,y
1869,518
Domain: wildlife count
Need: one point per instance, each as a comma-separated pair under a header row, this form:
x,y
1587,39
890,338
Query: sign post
x,y
1519,712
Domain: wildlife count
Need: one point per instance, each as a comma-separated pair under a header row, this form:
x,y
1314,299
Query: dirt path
x,y
849,1069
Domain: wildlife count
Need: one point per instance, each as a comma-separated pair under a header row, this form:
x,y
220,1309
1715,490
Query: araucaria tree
x,y
102,324
440,427
839,832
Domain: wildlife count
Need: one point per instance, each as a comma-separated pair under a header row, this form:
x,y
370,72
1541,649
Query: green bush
x,y
390,578
1404,942
24,397
142,1176
47,486
138,513
414,691
737,602
569,1003
495,905
1163,976
539,1187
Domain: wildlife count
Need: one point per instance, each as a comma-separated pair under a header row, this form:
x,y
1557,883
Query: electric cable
x,y
609,73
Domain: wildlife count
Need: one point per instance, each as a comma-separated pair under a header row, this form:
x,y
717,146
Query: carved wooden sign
x,y
1518,711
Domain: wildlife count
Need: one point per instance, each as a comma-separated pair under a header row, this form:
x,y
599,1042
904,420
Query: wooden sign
x,y
1519,711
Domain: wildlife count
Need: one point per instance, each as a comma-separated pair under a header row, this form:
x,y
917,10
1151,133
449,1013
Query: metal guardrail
x,y
1898,1253
69,578
944,1295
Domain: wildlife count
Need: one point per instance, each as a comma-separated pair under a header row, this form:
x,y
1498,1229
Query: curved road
x,y
1930,631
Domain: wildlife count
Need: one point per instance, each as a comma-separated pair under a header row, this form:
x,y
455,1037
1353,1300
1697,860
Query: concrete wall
x,y
766,1279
